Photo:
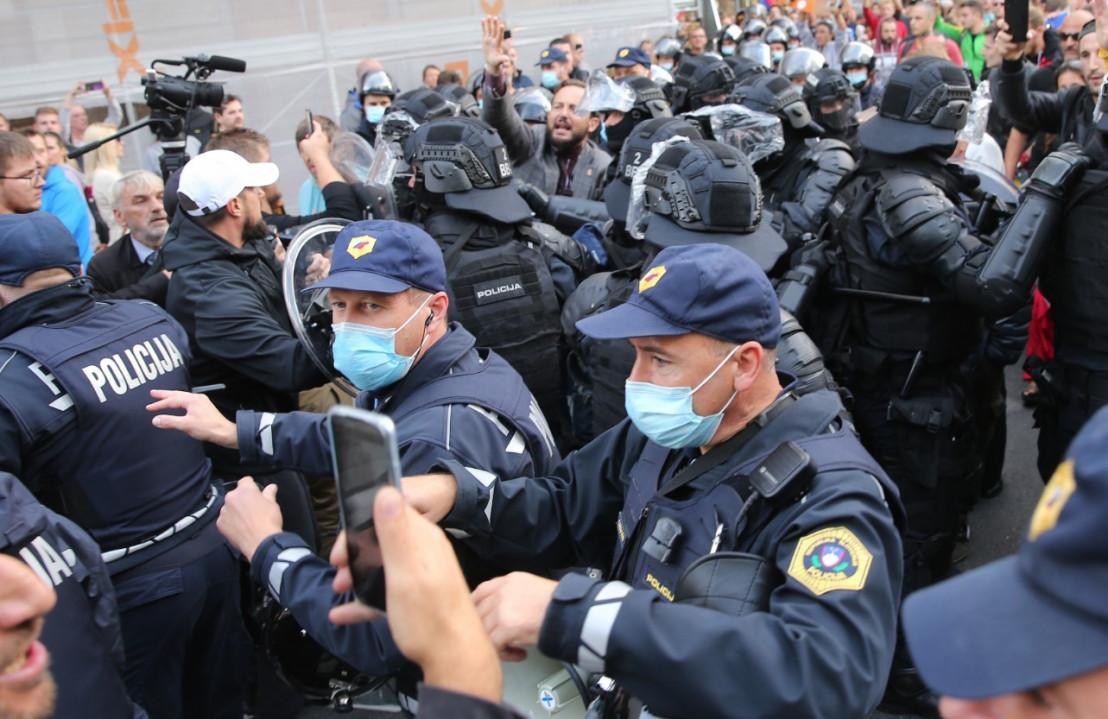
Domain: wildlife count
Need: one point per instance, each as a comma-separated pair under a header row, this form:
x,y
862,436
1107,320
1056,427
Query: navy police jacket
x,y
822,644
457,403
82,630
75,379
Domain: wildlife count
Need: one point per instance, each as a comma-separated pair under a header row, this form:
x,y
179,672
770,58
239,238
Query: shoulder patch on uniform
x,y
1058,491
830,559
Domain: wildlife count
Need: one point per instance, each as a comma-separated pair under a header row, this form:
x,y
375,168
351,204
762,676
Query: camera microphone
x,y
219,62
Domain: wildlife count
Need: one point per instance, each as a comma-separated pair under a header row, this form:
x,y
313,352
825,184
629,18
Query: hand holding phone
x,y
1015,14
365,458
94,85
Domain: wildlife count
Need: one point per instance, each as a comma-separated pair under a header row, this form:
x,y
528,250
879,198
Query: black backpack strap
x,y
453,253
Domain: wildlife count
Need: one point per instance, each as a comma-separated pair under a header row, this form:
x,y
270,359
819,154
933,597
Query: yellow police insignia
x,y
624,52
361,245
1058,491
651,278
831,559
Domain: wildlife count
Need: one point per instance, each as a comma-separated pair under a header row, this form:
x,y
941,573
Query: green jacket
x,y
972,46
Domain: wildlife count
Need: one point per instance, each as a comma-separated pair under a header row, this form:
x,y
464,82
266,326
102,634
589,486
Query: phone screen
x,y
363,446
97,85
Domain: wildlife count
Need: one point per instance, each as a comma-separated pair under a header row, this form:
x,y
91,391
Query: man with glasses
x,y
61,198
21,182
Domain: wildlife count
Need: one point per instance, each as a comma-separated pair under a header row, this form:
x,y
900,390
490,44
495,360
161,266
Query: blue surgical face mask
x,y
374,113
550,79
990,18
777,56
727,50
857,79
666,416
367,355
667,66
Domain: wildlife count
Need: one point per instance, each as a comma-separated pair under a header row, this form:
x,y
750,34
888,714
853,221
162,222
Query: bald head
x,y
367,65
1068,31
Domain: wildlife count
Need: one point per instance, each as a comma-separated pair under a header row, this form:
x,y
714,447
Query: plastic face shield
x,y
756,134
604,94
637,212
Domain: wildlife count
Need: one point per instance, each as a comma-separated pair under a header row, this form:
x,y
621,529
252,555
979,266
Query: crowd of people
x,y
696,364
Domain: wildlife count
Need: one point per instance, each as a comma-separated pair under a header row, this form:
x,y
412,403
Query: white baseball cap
x,y
211,179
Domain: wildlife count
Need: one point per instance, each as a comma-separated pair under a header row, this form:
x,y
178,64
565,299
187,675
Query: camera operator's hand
x,y
201,420
316,150
249,516
430,614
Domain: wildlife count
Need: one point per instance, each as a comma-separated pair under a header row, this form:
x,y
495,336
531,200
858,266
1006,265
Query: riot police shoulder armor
x,y
501,277
82,632
100,365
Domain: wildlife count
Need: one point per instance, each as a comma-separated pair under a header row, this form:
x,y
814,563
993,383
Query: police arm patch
x,y
830,559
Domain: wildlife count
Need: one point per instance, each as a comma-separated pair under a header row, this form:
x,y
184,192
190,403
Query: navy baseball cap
x,y
628,56
708,288
35,241
385,256
1037,617
551,55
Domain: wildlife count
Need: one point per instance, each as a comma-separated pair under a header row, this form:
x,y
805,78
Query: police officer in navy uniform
x,y
752,540
698,191
75,376
82,632
449,400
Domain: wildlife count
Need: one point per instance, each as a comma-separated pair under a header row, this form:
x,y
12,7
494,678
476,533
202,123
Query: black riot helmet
x,y
532,104
650,103
830,99
705,191
857,54
636,150
700,80
464,161
775,95
465,104
744,68
423,105
925,104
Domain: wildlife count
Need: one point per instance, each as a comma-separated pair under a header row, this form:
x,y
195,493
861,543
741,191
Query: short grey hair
x,y
138,179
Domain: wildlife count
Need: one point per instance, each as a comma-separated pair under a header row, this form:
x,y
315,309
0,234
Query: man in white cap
x,y
225,291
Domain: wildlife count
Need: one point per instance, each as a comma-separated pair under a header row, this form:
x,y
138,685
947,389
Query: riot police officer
x,y
910,284
376,92
76,377
449,400
781,498
799,181
700,80
859,63
82,632
508,275
833,104
716,183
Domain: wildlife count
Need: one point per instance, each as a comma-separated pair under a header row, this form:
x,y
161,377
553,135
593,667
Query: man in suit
x,y
123,270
